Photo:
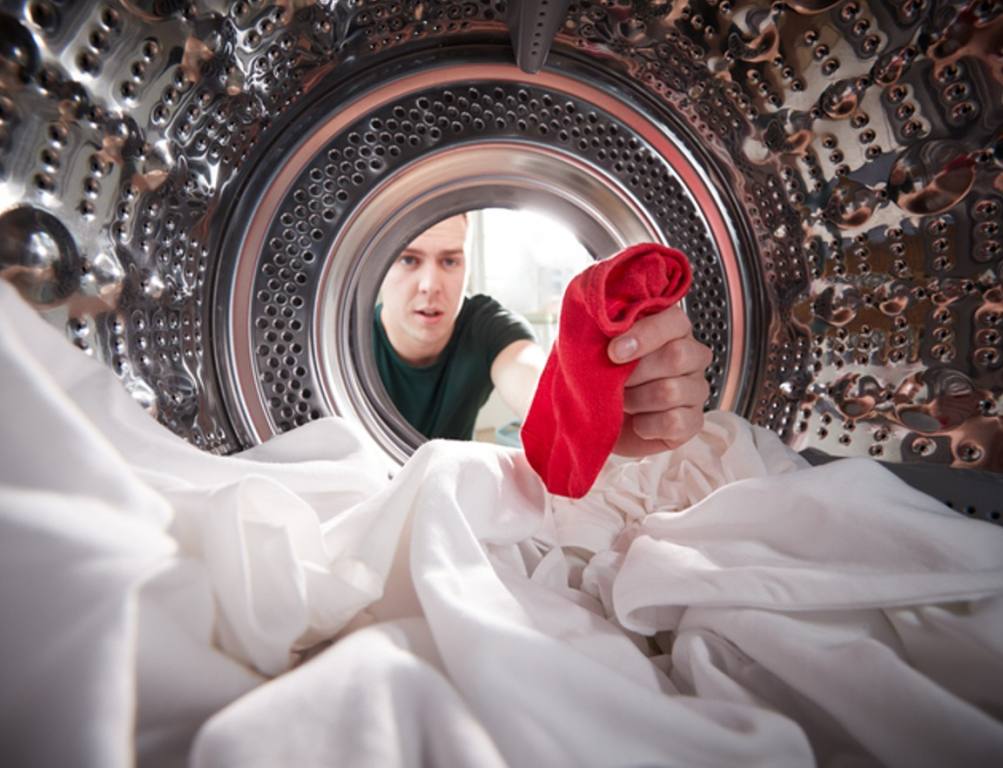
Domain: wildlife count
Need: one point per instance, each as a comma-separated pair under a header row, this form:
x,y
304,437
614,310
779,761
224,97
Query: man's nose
x,y
428,279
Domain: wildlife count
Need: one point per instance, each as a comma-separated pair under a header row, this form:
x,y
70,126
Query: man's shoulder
x,y
483,314
485,321
482,305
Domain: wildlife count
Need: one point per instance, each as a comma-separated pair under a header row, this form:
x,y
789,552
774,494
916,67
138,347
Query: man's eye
x,y
450,262
408,261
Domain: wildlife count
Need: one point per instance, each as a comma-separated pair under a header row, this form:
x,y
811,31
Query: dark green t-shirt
x,y
442,399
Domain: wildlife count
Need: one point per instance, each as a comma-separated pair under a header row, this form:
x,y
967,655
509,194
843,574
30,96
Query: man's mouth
x,y
429,316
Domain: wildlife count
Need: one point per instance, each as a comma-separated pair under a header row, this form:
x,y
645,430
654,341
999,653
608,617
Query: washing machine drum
x,y
207,194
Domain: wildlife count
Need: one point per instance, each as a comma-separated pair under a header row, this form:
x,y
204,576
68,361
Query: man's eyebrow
x,y
453,252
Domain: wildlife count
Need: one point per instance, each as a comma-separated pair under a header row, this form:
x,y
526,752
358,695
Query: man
x,y
440,354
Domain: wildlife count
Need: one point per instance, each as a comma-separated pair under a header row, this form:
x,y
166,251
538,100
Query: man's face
x,y
423,290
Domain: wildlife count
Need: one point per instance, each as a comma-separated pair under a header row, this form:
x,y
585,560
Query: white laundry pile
x,y
718,605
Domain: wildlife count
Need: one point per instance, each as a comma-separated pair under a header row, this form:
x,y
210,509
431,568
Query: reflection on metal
x,y
532,25
849,154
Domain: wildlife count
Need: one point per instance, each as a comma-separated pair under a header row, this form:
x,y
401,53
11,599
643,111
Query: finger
x,y
680,357
630,444
673,427
691,390
650,333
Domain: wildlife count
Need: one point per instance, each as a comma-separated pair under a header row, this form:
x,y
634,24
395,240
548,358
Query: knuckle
x,y
706,356
693,424
678,356
685,358
684,324
675,422
693,357
667,391
703,391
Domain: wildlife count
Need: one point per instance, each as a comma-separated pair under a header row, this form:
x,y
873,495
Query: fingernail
x,y
624,348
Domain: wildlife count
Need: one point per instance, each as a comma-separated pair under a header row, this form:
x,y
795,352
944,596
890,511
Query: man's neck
x,y
411,351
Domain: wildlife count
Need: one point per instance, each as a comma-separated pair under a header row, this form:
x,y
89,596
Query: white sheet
x,y
721,604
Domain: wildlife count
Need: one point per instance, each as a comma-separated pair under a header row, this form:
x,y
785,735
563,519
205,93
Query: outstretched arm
x,y
516,371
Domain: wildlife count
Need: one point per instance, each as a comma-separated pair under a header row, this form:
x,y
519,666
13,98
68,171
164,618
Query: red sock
x,y
577,410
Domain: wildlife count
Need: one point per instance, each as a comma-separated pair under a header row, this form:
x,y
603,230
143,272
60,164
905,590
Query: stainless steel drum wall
x,y
854,148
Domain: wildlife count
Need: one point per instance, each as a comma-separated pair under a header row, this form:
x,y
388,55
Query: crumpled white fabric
x,y
550,682
866,611
130,559
717,605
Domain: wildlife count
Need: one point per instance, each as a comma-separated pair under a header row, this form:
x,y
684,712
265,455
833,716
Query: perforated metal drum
x,y
205,194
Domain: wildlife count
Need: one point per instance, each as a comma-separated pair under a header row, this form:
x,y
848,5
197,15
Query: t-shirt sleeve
x,y
496,327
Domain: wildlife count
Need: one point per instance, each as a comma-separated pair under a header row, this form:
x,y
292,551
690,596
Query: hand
x,y
663,398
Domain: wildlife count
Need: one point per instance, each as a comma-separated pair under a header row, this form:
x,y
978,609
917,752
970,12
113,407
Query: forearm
x,y
516,372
